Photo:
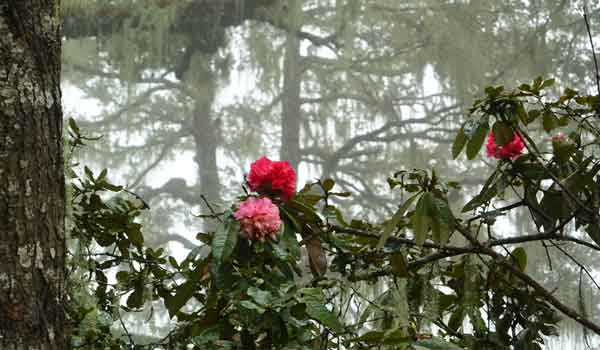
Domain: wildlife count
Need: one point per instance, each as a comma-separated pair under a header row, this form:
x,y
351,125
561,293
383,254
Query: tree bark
x,y
32,192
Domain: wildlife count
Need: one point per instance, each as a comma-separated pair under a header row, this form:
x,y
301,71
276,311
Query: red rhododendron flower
x,y
272,177
512,149
259,218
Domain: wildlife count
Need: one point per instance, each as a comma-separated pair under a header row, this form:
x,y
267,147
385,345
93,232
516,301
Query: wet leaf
x,y
459,143
225,239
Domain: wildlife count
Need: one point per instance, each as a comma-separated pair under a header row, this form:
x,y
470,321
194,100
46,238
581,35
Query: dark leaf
x,y
183,293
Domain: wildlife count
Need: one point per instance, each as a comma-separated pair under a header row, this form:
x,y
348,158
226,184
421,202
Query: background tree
x,y
357,87
32,191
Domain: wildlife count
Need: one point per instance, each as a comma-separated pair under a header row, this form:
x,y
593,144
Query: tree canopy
x,y
358,94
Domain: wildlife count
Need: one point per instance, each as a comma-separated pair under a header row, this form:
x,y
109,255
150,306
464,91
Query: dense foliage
x,y
447,281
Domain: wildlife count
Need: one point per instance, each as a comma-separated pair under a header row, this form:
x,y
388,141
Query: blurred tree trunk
x,y
207,138
291,118
206,130
32,192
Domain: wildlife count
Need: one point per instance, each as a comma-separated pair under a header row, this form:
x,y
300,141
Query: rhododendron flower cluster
x,y
272,177
512,149
259,218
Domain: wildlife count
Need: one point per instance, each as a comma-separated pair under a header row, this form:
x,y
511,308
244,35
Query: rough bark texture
x,y
32,201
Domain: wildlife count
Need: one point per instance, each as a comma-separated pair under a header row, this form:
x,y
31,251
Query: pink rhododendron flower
x,y
272,177
259,218
512,149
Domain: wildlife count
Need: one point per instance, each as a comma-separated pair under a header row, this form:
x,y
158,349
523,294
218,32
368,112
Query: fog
x,y
185,97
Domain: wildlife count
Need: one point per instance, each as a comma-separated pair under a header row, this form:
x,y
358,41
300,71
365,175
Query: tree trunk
x,y
32,198
290,123
206,137
206,129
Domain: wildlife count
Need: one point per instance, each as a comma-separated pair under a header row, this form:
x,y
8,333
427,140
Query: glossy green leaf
x,y
261,297
442,221
519,256
422,217
183,293
225,239
391,225
477,140
459,143
502,132
549,121
134,233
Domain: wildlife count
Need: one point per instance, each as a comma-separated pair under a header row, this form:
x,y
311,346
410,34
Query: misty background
x,y
186,94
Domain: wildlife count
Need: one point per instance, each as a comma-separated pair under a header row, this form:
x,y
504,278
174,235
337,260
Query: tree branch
x,y
498,258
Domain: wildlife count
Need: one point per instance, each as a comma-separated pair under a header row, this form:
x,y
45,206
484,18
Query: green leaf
x,y
477,140
88,173
183,293
503,133
225,239
289,239
522,113
489,191
547,83
594,232
307,211
136,299
315,308
370,337
532,115
456,320
422,217
252,306
459,143
134,233
436,344
123,277
555,206
399,265
563,150
74,127
261,297
393,223
549,121
519,257
173,262
443,221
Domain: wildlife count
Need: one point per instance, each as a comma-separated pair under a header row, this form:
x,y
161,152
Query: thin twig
x,y
589,31
212,210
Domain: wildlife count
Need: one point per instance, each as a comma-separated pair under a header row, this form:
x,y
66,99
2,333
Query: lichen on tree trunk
x,y
32,201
